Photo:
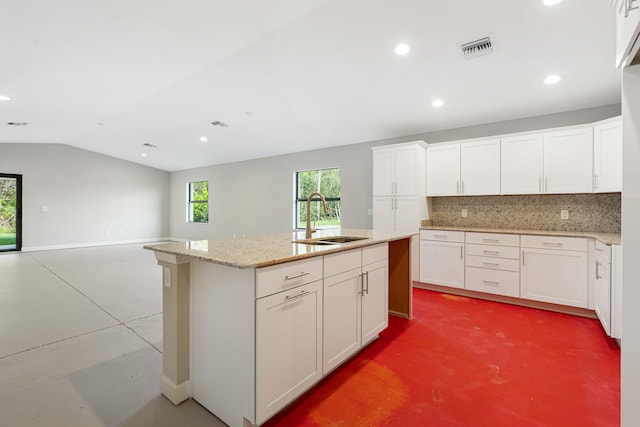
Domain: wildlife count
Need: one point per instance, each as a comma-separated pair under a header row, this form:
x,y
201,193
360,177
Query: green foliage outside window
x,y
199,201
327,182
8,213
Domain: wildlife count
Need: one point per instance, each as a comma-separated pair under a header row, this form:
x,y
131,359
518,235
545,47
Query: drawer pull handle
x,y
491,252
490,282
292,297
555,244
295,276
491,264
490,240
440,236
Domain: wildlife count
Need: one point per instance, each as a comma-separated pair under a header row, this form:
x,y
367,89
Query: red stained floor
x,y
469,362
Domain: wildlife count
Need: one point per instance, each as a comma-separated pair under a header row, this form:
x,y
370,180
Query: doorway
x,y
10,212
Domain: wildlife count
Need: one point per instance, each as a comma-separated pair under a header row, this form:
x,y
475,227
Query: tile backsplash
x,y
587,212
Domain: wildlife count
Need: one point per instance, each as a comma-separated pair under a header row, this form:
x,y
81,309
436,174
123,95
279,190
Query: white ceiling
x,y
314,73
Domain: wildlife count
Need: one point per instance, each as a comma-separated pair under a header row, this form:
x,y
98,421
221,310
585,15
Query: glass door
x,y
10,212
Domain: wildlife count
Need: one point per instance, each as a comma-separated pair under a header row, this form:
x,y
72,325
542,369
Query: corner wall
x,y
92,199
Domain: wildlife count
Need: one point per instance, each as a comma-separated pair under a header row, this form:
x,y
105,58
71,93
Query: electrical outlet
x,y
464,213
564,214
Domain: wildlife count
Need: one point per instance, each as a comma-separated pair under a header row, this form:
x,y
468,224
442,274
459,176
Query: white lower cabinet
x,y
554,270
288,346
442,258
492,263
603,285
355,302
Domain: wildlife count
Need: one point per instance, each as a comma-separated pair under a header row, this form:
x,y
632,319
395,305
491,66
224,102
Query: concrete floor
x,y
81,341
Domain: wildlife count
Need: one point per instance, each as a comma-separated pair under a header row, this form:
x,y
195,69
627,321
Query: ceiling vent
x,y
220,124
476,48
146,144
16,123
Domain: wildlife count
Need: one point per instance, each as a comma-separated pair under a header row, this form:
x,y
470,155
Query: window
x,y
198,207
325,181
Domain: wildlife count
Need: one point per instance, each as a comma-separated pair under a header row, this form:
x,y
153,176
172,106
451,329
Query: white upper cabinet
x,y
568,161
607,157
548,163
398,170
480,167
627,31
467,168
443,170
522,158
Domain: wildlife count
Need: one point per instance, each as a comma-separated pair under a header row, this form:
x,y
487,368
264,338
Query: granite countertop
x,y
262,251
606,238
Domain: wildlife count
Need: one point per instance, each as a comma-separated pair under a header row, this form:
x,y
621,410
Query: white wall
x,y
87,195
631,247
256,196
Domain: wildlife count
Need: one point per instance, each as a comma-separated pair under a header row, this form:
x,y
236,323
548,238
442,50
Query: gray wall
x,y
256,196
91,198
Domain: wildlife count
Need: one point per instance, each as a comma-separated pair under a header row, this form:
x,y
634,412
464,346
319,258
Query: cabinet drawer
x,y
493,281
444,235
603,252
276,278
341,262
554,242
371,254
494,251
492,263
493,239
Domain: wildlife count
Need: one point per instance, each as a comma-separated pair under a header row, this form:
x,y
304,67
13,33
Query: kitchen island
x,y
250,324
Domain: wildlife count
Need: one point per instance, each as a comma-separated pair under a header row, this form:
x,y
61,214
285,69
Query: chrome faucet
x,y
326,210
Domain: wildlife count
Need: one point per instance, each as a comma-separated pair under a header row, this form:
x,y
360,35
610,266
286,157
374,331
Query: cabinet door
x,y
607,157
558,277
603,293
522,158
408,213
384,213
480,167
341,318
383,176
288,346
442,263
406,166
568,161
443,170
375,300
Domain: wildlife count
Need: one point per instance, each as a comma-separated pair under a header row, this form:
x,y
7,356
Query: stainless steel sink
x,y
331,240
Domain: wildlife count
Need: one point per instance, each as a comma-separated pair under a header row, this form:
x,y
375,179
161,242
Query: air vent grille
x,y
220,124
16,124
476,48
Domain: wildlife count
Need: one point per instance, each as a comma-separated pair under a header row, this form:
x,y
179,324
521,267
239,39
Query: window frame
x,y
297,199
192,203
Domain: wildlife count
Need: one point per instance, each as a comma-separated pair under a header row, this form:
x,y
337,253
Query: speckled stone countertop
x,y
262,251
606,238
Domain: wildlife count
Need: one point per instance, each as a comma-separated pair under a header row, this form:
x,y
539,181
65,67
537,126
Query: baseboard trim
x,y
175,393
94,244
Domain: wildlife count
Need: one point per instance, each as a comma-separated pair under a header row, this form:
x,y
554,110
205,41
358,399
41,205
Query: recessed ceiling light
x,y
203,139
550,2
552,79
437,103
5,98
402,49
144,154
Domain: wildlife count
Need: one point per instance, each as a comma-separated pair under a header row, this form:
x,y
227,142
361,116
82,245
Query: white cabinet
x,y
467,168
399,169
355,302
603,285
607,157
568,161
442,258
492,263
554,270
627,31
398,213
616,291
551,163
288,346
443,170
480,167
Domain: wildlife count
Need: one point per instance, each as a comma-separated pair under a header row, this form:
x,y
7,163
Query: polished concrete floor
x,y
81,341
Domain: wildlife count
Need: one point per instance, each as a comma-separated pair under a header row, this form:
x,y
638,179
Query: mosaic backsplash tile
x,y
587,212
